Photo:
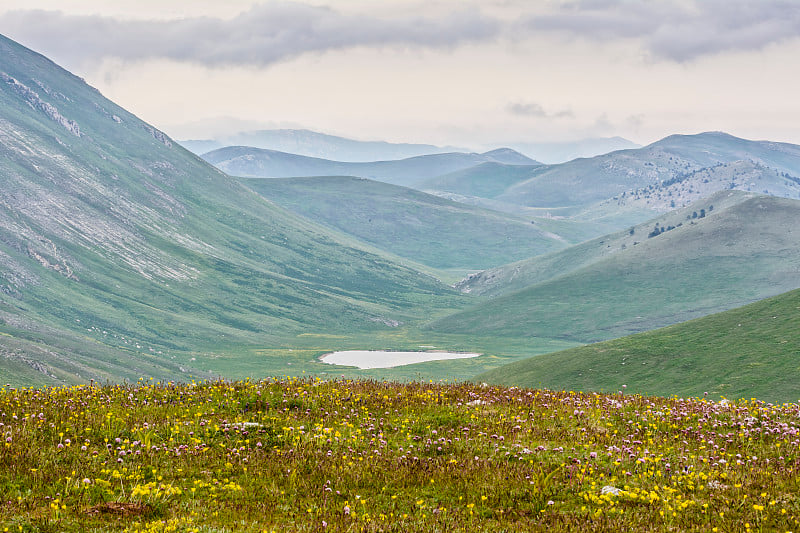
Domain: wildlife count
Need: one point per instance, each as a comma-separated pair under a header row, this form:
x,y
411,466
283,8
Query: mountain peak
x,y
509,156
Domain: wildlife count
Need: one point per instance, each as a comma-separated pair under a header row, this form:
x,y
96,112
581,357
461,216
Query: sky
x,y
449,72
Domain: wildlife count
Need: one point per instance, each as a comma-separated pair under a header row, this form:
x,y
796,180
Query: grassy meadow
x,y
747,351
342,455
434,231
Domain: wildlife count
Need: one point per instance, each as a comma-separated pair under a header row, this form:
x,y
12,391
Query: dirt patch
x,y
119,509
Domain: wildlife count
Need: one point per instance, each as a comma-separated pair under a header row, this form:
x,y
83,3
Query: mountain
x,y
258,163
560,152
706,258
202,146
319,145
508,156
684,189
434,231
513,277
746,352
486,180
113,236
582,182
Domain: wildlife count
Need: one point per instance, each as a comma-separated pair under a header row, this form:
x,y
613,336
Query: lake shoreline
x,y
367,359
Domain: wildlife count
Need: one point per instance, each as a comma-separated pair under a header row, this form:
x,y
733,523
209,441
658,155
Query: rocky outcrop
x,y
36,102
158,135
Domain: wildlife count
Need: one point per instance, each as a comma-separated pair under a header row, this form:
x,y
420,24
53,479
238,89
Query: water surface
x,y
385,359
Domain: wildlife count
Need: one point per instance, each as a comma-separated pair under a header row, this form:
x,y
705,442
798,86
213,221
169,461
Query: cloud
x,y
265,34
531,109
677,31
272,32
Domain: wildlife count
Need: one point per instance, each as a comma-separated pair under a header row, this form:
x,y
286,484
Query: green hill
x,y
251,162
513,277
112,234
434,231
487,180
750,351
707,264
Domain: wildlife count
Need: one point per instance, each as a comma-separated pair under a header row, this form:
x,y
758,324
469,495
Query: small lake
x,y
385,359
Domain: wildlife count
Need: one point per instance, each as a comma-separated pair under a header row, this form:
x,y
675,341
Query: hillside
x,y
487,180
582,182
729,257
314,144
258,163
112,232
746,352
684,189
409,223
531,271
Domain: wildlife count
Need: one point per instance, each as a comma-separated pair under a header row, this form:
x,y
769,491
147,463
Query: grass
x,y
312,455
427,229
486,180
729,258
125,239
300,355
750,351
534,270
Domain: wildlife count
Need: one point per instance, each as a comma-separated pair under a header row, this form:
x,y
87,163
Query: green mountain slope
x,y
111,230
259,163
727,258
582,182
750,351
487,180
513,277
409,223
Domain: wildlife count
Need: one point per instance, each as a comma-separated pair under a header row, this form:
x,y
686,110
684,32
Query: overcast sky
x,y
460,72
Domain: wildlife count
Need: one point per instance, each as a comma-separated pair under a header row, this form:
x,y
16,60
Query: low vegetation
x,y
630,283
433,231
747,351
311,455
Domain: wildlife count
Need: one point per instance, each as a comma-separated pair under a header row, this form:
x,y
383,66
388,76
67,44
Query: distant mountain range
x,y
323,146
319,145
667,174
582,182
250,162
561,152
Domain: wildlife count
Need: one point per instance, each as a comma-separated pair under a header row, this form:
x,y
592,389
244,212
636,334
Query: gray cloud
x,y
278,31
263,35
675,31
531,109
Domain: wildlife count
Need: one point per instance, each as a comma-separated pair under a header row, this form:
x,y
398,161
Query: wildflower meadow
x,y
311,455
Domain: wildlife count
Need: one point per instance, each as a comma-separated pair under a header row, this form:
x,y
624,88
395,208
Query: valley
x,y
468,266
126,256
